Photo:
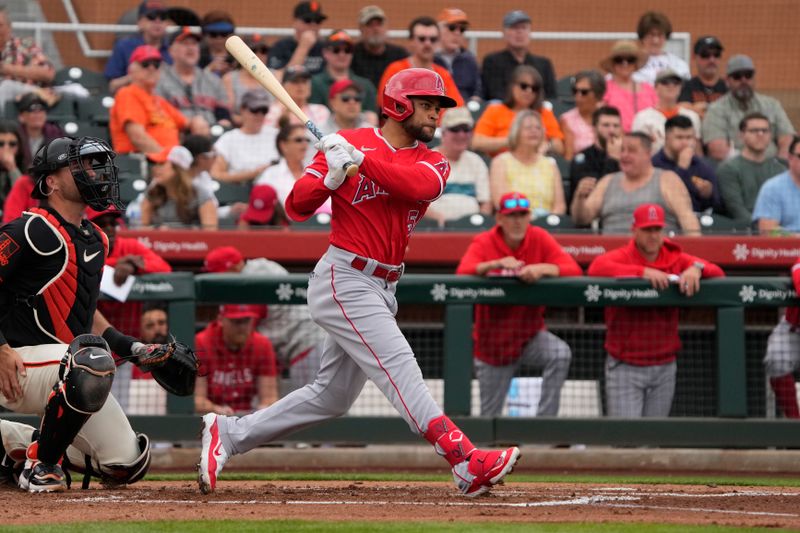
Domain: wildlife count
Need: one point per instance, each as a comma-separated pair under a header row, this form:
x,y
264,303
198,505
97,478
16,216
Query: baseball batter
x,y
351,290
51,260
783,355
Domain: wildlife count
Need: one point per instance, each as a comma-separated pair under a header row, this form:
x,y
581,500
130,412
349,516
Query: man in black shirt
x,y
602,157
700,91
372,54
305,47
497,67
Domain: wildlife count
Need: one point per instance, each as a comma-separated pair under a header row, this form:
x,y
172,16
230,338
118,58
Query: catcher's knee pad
x,y
127,473
87,372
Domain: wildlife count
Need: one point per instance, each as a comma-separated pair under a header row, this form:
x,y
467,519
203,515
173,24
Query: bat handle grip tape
x,y
350,168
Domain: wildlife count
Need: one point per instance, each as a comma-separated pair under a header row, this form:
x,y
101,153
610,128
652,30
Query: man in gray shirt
x,y
723,116
740,178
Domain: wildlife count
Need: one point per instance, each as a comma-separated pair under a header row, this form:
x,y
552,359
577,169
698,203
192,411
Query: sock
x,y
786,395
448,441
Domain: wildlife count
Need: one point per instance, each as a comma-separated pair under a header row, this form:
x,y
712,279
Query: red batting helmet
x,y
412,82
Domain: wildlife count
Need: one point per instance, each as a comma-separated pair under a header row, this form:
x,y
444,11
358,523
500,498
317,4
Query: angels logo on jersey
x,y
366,190
442,166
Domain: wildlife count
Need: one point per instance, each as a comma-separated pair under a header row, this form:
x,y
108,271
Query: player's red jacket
x,y
639,335
19,198
233,376
153,263
501,331
793,313
374,212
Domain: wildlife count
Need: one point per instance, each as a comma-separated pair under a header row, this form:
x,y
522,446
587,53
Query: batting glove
x,y
329,141
337,157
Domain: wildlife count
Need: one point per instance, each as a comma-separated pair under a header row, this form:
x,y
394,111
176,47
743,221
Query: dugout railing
x,y
732,423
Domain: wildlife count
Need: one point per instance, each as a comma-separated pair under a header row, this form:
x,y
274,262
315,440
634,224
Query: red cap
x,y
648,216
261,207
143,53
222,259
514,202
341,86
235,311
92,215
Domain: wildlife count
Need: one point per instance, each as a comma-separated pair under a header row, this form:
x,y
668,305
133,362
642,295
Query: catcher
x,y
55,347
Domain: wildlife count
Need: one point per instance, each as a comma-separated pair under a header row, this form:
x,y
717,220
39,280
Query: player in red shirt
x,y
508,336
238,369
351,291
642,343
783,355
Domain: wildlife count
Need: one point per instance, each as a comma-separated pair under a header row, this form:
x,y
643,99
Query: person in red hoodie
x,y
783,355
643,343
509,336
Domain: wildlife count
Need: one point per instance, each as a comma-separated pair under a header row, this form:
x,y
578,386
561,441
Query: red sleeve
x,y
423,181
202,351
614,264
709,271
18,199
153,263
796,277
268,366
309,192
554,254
475,254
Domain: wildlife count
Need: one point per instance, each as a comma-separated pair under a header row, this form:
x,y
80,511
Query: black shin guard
x,y
60,424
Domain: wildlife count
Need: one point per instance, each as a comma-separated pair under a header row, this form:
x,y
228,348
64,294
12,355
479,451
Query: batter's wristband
x,y
119,343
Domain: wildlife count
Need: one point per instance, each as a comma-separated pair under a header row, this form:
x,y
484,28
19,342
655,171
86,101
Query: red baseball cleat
x,y
484,469
212,455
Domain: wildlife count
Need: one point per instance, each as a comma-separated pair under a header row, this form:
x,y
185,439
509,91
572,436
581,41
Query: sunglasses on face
x,y
299,140
460,129
514,203
747,74
311,20
10,144
457,27
151,63
671,81
218,34
156,16
582,92
758,131
258,110
341,50
528,87
708,55
36,107
619,60
351,98
427,38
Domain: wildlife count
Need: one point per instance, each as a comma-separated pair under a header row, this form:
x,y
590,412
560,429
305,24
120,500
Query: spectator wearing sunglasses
x,y
245,152
454,56
467,189
423,35
216,27
195,92
304,48
721,123
239,81
508,337
141,120
338,55
152,23
707,87
498,66
345,97
588,87
524,92
372,54
34,128
654,29
622,91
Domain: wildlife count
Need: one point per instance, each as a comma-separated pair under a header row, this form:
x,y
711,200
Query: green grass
x,y
520,478
225,526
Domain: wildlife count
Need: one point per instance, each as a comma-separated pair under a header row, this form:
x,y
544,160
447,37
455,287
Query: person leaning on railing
x,y
643,343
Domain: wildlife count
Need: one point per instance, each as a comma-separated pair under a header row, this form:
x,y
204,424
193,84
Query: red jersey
x,y
644,336
19,199
374,213
793,313
233,376
501,331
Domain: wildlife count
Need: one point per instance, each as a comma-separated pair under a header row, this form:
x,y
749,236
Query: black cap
x,y
309,10
29,100
198,144
297,72
706,42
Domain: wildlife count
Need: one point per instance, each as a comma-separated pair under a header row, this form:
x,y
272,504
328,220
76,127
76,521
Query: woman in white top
x,y
292,143
654,29
246,152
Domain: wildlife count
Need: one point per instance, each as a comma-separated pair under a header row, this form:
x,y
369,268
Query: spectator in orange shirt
x,y
142,121
423,34
524,92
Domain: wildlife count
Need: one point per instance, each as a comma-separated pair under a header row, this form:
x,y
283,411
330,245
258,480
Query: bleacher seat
x,y
554,222
563,169
474,222
716,224
132,178
564,89
561,106
86,129
65,110
94,82
230,193
95,109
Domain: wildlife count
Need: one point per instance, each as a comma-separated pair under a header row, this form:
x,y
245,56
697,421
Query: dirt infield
x,y
407,501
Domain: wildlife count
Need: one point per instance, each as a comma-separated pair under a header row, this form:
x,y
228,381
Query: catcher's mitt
x,y
173,365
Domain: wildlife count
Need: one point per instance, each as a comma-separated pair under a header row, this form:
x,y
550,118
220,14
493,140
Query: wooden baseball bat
x,y
248,59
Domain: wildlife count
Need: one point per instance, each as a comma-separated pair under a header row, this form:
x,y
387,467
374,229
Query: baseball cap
x,y
667,74
254,99
514,202
450,15
198,144
342,85
515,17
368,13
177,155
143,53
458,116
235,311
648,216
738,63
309,10
185,32
295,73
261,207
29,100
222,259
93,215
707,42
338,37
220,26
151,6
